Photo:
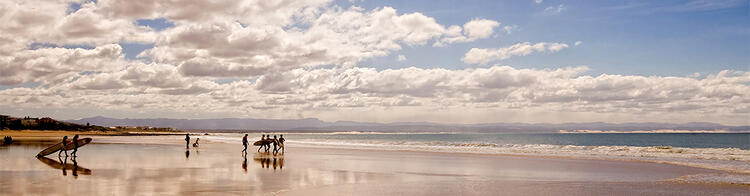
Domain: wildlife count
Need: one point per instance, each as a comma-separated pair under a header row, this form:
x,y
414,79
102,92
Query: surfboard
x,y
258,143
59,146
68,166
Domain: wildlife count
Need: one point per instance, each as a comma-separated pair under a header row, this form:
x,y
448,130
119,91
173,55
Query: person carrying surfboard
x,y
281,143
244,143
274,141
64,142
196,142
75,145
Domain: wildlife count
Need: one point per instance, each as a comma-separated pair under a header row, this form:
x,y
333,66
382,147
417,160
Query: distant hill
x,y
28,123
312,124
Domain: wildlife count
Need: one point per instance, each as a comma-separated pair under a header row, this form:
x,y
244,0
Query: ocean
x,y
722,151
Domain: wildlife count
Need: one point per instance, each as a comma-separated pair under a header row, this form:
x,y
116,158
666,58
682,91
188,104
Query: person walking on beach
x,y
281,143
274,141
75,145
266,143
263,142
64,142
244,144
187,140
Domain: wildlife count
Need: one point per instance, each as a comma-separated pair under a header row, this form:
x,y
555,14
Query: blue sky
x,y
618,37
668,38
380,61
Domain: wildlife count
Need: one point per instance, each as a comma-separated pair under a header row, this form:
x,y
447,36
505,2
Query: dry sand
x,y
160,165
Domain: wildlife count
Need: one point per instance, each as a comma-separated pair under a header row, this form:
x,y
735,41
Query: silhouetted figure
x,y
275,141
75,145
266,142
187,140
196,142
244,144
263,143
281,143
64,143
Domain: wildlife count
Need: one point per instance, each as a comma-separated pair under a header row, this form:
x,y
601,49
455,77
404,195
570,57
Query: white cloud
x,y
472,30
484,55
538,1
554,10
510,28
412,90
283,57
49,65
578,43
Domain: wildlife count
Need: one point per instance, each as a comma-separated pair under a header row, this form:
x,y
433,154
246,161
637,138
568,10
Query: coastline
x,y
218,167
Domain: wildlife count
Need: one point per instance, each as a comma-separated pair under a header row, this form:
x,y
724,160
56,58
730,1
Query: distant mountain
x,y
313,124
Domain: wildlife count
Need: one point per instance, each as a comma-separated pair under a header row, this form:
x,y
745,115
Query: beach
x,y
160,165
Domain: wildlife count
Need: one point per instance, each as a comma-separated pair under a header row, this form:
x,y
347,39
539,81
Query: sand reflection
x,y
267,160
64,165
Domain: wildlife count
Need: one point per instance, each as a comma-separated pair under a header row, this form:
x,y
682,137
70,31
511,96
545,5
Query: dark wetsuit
x,y
75,145
187,141
64,143
244,143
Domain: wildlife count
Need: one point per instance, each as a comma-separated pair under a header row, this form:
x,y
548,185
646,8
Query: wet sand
x,y
137,165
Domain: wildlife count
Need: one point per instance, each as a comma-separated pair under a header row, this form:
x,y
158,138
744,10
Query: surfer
x,y
196,142
274,141
268,142
281,143
263,142
244,144
64,142
187,140
75,145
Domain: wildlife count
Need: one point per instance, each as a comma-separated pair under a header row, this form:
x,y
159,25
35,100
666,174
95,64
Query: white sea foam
x,y
728,159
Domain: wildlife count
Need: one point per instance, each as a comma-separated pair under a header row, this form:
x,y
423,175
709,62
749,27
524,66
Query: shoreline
x,y
116,163
51,136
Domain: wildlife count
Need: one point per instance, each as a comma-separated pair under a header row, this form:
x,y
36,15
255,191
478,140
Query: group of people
x,y
65,143
187,141
265,142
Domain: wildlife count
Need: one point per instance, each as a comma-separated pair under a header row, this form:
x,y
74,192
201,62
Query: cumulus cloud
x,y
471,31
277,59
50,65
484,55
500,87
578,43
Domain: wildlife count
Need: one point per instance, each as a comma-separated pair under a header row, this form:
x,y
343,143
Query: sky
x,y
531,61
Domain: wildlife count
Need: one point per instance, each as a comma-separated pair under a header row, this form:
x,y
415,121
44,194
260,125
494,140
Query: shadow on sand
x,y
62,164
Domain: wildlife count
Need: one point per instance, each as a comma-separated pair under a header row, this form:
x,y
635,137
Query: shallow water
x,y
724,151
161,165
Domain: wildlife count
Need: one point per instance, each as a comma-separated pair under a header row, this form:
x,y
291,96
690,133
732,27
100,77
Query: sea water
x,y
722,151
